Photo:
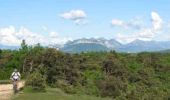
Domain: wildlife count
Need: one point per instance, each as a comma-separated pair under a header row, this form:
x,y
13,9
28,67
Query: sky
x,y
58,21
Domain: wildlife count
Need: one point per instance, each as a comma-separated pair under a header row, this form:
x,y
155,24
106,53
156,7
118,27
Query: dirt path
x,y
6,90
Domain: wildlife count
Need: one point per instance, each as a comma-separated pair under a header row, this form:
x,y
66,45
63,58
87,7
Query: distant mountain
x,y
92,44
140,46
112,43
165,51
102,44
108,43
57,46
8,47
84,47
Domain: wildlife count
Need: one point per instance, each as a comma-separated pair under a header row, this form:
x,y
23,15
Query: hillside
x,y
84,47
101,44
126,76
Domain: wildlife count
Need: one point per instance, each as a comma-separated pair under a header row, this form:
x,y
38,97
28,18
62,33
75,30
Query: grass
x,y
53,94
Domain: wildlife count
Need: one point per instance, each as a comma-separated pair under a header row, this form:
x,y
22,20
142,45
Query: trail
x,y
6,90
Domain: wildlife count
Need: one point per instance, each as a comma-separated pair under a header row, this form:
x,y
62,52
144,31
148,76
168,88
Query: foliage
x,y
142,76
54,94
36,81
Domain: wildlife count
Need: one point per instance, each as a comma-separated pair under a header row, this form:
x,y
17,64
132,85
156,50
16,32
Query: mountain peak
x,y
139,41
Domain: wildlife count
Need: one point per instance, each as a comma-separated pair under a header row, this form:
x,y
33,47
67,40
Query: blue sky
x,y
124,20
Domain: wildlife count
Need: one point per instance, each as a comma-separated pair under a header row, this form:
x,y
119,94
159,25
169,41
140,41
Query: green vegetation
x,y
121,76
5,81
36,81
54,94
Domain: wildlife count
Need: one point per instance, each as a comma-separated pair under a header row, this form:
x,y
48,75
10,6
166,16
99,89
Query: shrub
x,y
62,84
111,87
36,81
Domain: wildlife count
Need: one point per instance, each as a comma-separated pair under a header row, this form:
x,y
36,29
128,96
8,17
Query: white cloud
x,y
156,21
122,38
9,36
74,15
77,16
132,24
143,33
53,35
146,35
80,22
116,22
30,37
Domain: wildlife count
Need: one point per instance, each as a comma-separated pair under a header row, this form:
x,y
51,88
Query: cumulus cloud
x,y
80,22
53,35
117,22
132,24
74,15
9,36
123,38
156,20
144,33
78,16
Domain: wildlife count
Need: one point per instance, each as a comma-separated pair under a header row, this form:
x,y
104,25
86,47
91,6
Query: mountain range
x,y
102,44
8,47
141,46
92,44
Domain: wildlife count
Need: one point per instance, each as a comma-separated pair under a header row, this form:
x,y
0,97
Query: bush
x,y
36,81
111,87
67,88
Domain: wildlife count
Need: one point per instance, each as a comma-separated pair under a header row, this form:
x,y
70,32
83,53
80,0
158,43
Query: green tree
x,y
24,46
36,81
0,53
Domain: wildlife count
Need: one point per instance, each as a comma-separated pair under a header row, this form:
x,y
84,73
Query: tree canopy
x,y
122,76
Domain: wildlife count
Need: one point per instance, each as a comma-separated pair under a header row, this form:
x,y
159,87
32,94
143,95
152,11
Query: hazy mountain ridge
x,y
84,47
112,44
8,47
102,41
140,46
92,44
102,44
